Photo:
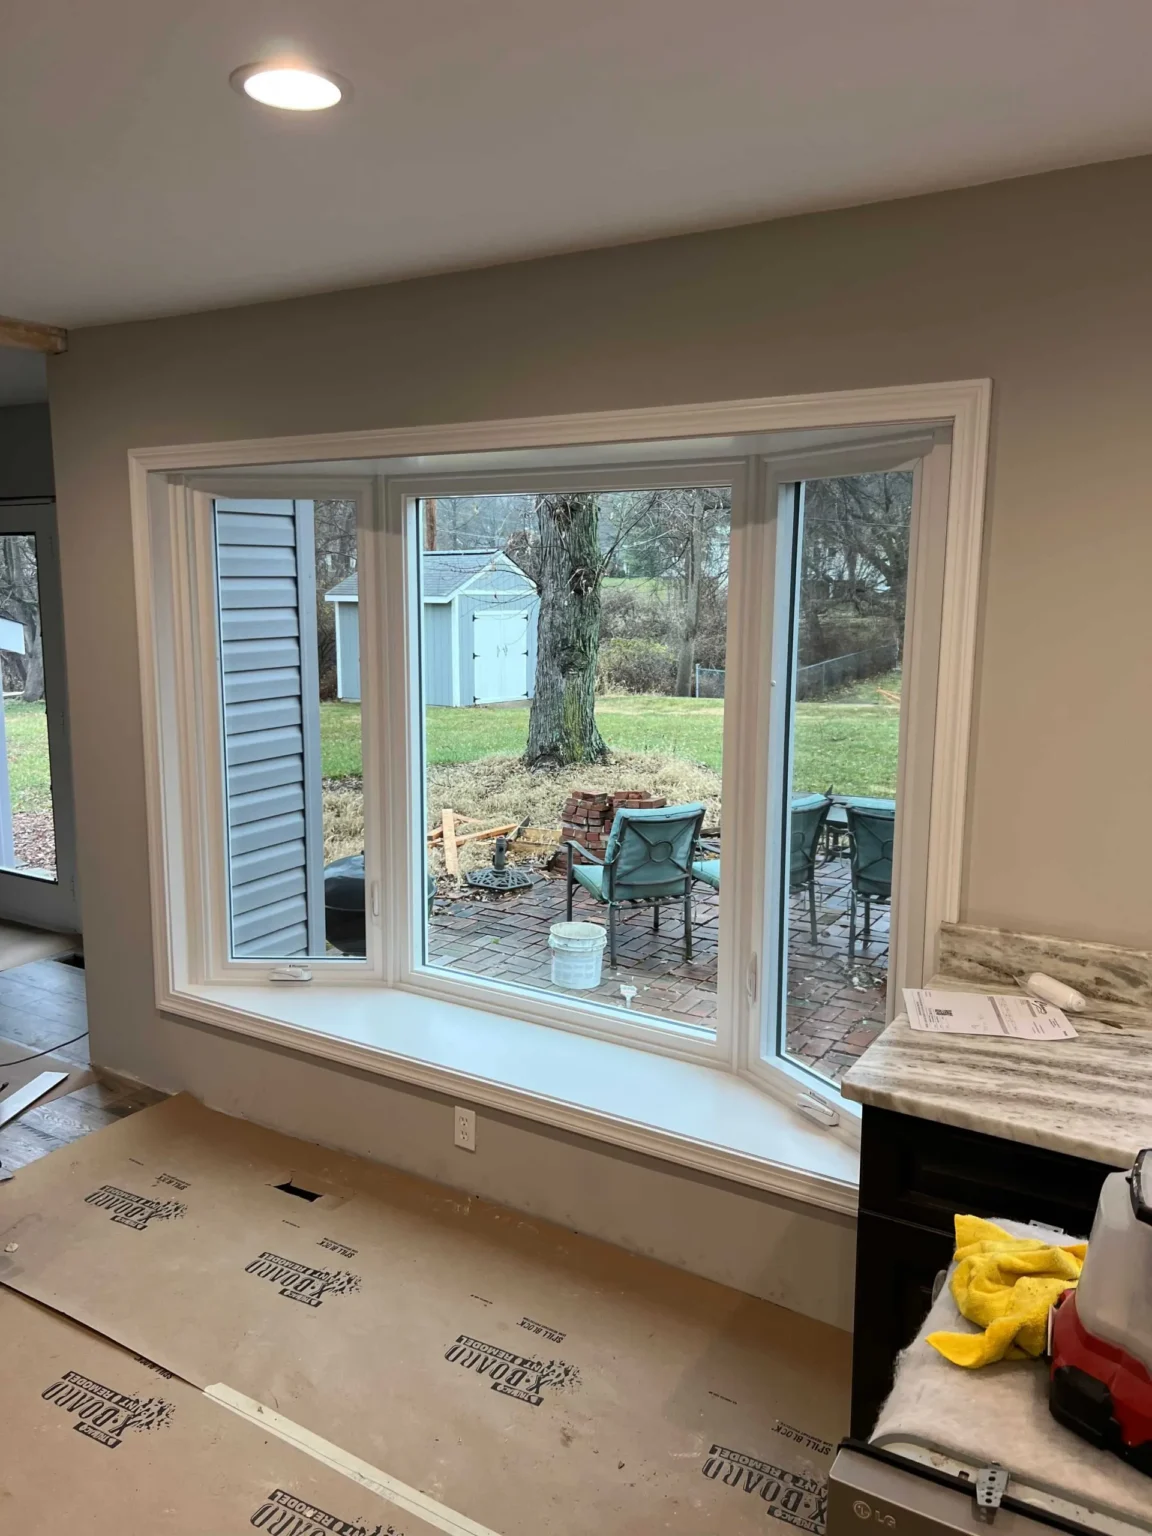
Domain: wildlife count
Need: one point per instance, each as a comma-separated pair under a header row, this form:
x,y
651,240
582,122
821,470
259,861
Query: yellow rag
x,y
1007,1285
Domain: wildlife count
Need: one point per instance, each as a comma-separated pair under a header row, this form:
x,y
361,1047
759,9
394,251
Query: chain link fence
x,y
709,682
822,677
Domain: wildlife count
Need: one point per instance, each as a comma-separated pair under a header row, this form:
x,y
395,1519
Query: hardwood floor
x,y
42,1005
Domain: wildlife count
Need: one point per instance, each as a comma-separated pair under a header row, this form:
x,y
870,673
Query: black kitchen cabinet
x,y
915,1176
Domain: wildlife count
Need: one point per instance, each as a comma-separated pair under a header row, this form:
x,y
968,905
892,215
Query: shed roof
x,y
445,571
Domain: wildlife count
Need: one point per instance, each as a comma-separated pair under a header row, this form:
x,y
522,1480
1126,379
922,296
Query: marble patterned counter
x,y
1118,981
1090,1097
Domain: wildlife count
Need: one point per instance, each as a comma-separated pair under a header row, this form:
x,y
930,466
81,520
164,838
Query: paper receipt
x,y
973,1013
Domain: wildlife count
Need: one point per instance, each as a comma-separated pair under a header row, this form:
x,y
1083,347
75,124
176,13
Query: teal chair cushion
x,y
708,870
591,877
650,852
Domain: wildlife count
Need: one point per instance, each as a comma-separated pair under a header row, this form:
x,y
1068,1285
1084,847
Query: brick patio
x,y
833,1012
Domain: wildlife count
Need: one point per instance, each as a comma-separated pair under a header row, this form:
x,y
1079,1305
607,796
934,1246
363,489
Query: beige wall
x,y
1041,284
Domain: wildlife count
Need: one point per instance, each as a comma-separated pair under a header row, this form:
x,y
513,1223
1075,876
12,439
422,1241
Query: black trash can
x,y
344,904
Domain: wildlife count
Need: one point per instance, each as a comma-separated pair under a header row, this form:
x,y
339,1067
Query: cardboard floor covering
x,y
101,1442
532,1380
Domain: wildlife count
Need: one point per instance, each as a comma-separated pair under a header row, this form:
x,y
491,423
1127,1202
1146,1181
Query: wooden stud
x,y
32,337
451,857
475,837
437,834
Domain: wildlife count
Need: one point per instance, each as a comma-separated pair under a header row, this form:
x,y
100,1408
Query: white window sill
x,y
680,1111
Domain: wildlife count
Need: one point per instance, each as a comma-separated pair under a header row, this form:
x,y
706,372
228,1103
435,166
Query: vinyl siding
x,y
265,576
437,655
348,649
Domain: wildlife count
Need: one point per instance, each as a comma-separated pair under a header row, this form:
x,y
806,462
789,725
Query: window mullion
x,y
376,709
210,833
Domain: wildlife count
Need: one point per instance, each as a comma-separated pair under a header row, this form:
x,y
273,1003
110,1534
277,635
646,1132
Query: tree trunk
x,y
693,560
562,723
34,671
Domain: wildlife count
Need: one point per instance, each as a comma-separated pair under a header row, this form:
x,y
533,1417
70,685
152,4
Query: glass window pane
x,y
850,593
290,683
27,828
573,651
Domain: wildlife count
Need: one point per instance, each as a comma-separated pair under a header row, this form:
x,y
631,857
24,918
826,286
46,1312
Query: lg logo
x,y
864,1511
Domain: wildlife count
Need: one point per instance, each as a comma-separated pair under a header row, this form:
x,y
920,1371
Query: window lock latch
x,y
816,1108
290,973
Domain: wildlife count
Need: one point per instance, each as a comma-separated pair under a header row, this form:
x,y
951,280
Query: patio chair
x,y
808,813
870,837
807,825
647,862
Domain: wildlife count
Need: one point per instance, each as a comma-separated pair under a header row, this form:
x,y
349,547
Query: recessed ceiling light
x,y
291,87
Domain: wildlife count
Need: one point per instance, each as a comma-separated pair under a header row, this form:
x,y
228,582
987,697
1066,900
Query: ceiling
x,y
488,130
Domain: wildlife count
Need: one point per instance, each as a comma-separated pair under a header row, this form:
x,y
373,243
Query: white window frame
x,y
399,580
193,978
936,676
192,748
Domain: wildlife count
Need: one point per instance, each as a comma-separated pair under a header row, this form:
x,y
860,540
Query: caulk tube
x,y
1055,992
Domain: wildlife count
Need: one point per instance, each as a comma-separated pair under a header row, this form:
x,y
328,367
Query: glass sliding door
x,y
37,879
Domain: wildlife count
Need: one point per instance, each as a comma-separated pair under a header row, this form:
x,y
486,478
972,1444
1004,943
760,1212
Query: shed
x,y
480,613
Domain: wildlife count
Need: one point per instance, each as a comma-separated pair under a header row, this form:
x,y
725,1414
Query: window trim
x,y
964,406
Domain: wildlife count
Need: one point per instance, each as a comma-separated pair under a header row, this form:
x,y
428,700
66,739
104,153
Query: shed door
x,y
499,656
267,596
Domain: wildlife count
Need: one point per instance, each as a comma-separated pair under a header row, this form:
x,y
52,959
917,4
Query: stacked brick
x,y
588,817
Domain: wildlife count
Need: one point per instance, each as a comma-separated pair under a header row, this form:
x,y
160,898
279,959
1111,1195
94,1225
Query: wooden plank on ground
x,y
20,1098
474,837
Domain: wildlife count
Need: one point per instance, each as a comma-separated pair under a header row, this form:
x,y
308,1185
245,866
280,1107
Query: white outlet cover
x,y
464,1124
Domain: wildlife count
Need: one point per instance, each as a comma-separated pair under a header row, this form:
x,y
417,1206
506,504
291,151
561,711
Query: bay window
x,y
655,737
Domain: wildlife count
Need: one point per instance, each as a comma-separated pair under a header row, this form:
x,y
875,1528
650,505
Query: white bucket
x,y
577,954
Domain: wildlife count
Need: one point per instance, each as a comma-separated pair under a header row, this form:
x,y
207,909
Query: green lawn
x,y
29,775
850,746
340,741
854,750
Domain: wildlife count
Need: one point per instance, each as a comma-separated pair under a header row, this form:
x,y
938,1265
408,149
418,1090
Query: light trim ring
x,y
290,86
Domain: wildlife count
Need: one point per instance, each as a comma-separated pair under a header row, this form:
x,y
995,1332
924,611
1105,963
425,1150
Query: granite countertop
x,y
1091,1097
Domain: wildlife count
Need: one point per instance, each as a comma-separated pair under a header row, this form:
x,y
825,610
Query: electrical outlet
x,y
465,1123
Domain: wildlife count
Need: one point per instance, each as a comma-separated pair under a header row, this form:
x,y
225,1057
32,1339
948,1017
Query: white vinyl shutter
x,y
266,583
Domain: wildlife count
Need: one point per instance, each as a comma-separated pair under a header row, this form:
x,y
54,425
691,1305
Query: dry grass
x,y
500,789
343,820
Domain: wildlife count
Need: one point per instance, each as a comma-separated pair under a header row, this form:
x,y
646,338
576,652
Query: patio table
x,y
805,802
